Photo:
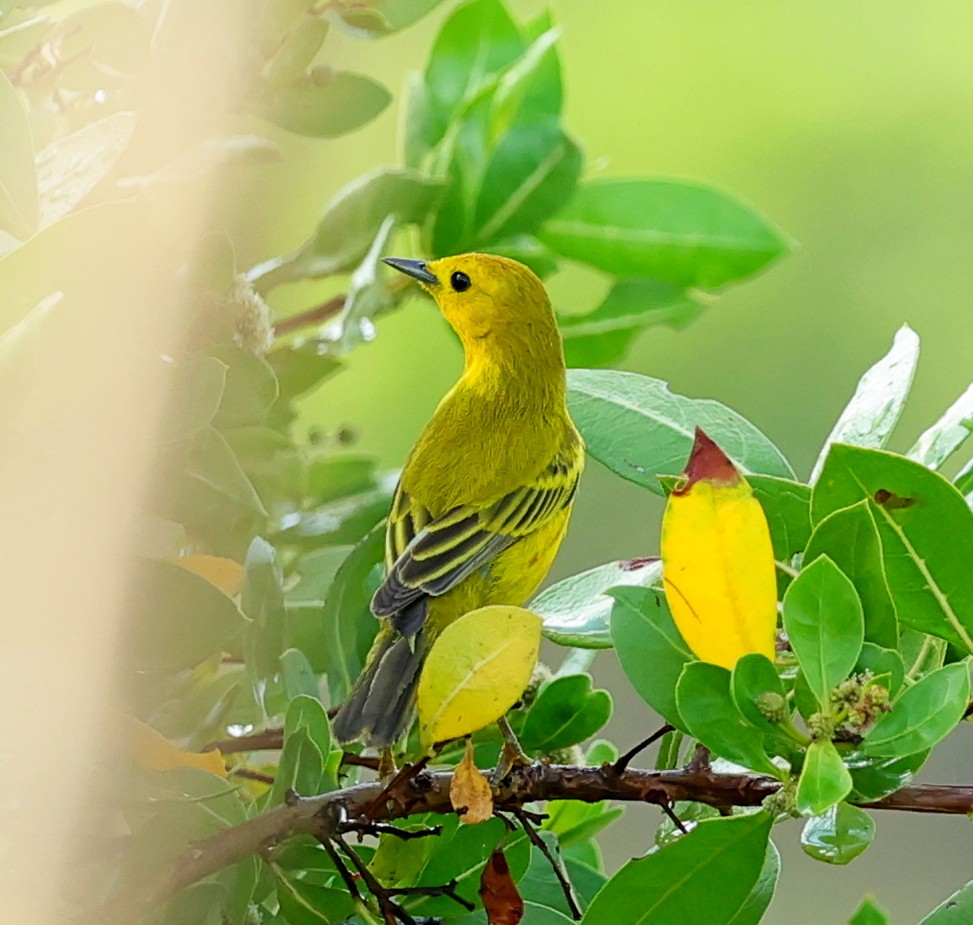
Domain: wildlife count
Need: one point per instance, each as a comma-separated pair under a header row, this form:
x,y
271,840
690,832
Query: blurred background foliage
x,y
847,126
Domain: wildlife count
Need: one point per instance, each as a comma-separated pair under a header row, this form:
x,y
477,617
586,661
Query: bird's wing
x,y
428,556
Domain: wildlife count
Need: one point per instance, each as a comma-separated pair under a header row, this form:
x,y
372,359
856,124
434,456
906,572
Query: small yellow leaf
x,y
152,751
470,792
226,574
718,563
476,670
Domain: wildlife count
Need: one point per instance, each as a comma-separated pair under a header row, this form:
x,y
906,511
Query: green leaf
x,y
71,166
754,677
297,675
925,527
787,507
402,13
577,610
674,885
349,225
195,392
824,781
477,42
869,913
603,336
682,233
940,441
751,912
534,168
307,745
323,103
885,665
176,618
650,649
250,390
849,537
305,903
838,835
923,714
876,778
300,368
575,823
347,626
317,570
707,709
870,417
262,600
528,250
566,711
539,886
957,910
275,466
824,622
18,180
639,429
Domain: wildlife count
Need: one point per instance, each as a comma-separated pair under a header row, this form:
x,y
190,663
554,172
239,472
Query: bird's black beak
x,y
414,268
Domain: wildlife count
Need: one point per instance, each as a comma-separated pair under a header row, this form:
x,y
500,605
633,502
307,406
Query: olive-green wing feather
x,y
428,556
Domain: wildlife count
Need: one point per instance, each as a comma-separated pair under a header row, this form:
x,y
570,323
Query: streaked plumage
x,y
485,495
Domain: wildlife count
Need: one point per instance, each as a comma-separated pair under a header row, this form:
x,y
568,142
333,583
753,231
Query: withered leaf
x,y
470,792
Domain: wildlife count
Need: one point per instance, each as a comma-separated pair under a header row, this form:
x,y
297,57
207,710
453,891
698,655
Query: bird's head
x,y
496,305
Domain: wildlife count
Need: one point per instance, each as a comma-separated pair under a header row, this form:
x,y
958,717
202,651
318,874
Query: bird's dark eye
x,y
459,281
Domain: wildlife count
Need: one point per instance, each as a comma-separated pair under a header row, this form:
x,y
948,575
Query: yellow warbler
x,y
485,495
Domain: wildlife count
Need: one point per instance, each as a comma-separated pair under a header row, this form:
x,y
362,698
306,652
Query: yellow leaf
x,y
476,670
154,752
226,574
718,564
470,792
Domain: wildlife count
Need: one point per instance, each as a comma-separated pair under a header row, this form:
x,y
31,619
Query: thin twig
x,y
315,315
386,828
673,818
250,774
390,909
559,872
623,762
408,772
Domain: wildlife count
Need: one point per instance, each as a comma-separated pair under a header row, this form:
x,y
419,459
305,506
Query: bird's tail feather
x,y
381,705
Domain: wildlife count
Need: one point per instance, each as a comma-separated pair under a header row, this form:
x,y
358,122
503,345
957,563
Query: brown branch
x,y
268,740
315,315
327,815
560,874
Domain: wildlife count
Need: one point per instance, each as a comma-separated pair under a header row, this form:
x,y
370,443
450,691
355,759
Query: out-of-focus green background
x,y
848,124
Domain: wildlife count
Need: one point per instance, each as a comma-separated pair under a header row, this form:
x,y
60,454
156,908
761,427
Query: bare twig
x,y
556,866
625,760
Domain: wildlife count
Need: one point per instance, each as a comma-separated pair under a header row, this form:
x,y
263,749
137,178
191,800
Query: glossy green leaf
x,y
874,410
71,166
577,610
674,885
306,903
603,335
650,649
317,570
925,527
527,250
539,886
639,429
347,626
923,714
838,835
534,169
849,537
869,913
402,13
754,681
460,854
752,911
940,441
323,103
176,617
297,675
679,232
824,781
787,507
706,707
886,666
575,822
824,623
566,711
957,910
874,778
964,482
349,225
18,180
